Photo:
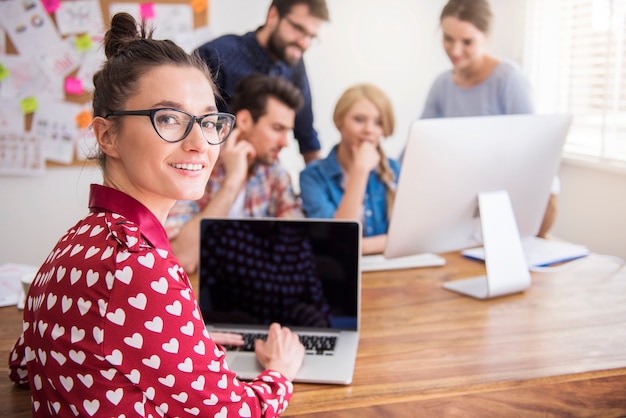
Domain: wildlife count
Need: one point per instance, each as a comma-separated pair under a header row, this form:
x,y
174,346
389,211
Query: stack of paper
x,y
10,283
540,252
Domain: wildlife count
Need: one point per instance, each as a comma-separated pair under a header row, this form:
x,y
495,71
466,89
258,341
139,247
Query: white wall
x,y
36,211
394,44
593,208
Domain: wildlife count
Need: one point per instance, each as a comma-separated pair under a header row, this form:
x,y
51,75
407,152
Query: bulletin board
x,y
76,94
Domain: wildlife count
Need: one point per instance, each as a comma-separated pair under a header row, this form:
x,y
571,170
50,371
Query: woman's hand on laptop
x,y
282,352
227,339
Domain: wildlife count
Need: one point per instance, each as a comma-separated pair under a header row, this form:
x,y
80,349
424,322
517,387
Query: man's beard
x,y
278,49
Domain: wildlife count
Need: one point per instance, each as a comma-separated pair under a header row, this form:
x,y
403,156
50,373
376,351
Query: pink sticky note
x,y
147,10
74,86
51,5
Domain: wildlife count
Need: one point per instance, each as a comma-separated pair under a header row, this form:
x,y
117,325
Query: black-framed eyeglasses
x,y
301,30
173,125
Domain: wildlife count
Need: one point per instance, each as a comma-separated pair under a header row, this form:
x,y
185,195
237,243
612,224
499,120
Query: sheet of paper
x,y
540,252
10,282
169,20
55,123
79,16
58,59
189,41
28,25
11,116
21,154
24,78
3,43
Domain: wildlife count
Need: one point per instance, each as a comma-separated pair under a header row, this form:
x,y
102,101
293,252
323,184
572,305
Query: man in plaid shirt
x,y
248,179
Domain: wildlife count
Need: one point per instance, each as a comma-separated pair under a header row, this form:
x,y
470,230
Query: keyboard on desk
x,y
313,344
378,262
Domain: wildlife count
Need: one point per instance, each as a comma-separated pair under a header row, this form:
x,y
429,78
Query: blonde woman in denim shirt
x,y
357,180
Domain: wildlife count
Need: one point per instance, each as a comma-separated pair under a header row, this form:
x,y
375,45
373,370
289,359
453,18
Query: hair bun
x,y
124,29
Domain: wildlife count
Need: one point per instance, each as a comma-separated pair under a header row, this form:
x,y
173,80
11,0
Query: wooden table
x,y
558,349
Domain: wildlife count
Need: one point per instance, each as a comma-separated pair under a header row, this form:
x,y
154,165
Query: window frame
x,y
551,51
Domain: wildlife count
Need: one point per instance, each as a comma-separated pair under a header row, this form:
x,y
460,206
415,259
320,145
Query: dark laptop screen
x,y
295,272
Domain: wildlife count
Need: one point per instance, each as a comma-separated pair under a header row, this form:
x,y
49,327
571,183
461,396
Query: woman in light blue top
x,y
478,84
356,181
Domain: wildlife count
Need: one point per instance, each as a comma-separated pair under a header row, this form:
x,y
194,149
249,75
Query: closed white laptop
x,y
304,274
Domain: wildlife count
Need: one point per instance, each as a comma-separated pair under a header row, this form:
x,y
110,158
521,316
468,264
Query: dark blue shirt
x,y
232,57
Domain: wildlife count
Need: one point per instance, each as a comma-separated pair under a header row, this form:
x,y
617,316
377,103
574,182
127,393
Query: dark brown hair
x,y
317,8
131,52
253,91
476,12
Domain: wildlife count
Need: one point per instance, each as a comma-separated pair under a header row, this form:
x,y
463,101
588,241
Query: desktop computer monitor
x,y
449,163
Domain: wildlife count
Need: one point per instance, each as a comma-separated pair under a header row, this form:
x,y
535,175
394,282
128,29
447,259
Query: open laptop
x,y
304,274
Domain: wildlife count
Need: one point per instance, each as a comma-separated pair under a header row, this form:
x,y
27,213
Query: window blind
x,y
576,61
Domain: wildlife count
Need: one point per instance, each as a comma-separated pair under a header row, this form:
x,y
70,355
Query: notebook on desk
x,y
302,273
540,252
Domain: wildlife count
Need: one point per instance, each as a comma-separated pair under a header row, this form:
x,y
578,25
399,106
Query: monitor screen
x,y
448,162
301,272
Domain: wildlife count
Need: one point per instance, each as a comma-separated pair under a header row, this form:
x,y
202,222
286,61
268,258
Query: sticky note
x,y
199,6
83,119
74,86
28,104
146,10
4,72
51,5
83,42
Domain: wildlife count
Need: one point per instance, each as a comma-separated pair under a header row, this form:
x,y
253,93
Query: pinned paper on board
x,y
55,123
21,153
79,16
28,25
11,116
3,44
168,19
24,78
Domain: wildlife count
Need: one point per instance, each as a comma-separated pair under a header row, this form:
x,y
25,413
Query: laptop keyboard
x,y
313,344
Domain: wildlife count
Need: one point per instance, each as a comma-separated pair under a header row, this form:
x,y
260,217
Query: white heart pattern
x,y
106,275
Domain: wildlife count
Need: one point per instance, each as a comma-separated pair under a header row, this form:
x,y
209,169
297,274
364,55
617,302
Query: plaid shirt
x,y
269,193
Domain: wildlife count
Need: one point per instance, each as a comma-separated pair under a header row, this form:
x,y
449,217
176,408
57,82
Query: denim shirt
x,y
321,188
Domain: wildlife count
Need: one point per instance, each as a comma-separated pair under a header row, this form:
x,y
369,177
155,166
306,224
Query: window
x,y
576,56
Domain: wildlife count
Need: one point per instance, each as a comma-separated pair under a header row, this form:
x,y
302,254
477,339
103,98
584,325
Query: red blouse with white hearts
x,y
111,326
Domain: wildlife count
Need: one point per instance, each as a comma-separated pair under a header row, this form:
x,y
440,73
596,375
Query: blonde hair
x,y
383,104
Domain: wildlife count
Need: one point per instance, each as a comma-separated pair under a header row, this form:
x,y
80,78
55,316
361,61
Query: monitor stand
x,y
507,270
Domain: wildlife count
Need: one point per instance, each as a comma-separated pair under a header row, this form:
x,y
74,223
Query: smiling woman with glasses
x,y
127,321
173,125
